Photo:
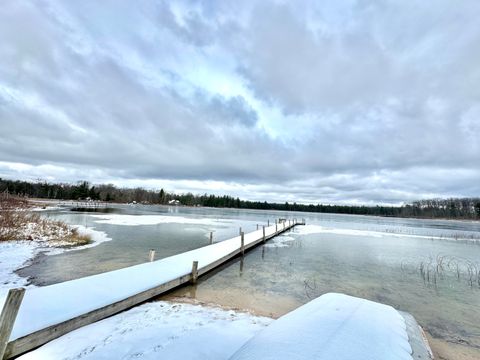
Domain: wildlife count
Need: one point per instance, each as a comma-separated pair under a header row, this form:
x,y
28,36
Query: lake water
x,y
428,268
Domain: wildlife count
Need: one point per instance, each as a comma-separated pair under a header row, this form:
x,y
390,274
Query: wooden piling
x,y
8,316
268,222
257,226
194,272
151,255
263,233
242,243
211,237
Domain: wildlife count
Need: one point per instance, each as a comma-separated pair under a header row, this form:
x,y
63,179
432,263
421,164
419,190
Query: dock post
x,y
263,233
242,243
211,237
276,227
257,226
8,316
268,222
151,255
240,231
194,272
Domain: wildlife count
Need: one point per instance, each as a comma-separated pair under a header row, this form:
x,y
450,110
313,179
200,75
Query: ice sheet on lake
x,y
280,241
333,326
317,229
157,330
136,220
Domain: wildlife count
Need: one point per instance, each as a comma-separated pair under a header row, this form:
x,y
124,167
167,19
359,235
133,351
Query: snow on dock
x,y
333,326
157,330
350,329
51,311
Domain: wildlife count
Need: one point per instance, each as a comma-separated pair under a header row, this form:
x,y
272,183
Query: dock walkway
x,y
49,312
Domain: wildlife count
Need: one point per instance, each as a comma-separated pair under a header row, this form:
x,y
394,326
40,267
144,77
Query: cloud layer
x,y
334,102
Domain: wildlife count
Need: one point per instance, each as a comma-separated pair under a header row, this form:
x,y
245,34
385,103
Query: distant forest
x,y
465,208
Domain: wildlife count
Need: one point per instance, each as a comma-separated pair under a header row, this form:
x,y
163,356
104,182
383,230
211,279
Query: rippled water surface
x,y
428,268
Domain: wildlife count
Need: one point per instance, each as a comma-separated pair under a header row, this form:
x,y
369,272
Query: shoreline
x,y
462,220
19,254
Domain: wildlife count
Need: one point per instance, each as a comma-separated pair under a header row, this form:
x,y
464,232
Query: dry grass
x,y
18,223
77,239
13,217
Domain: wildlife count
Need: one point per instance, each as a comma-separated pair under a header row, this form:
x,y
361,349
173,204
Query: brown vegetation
x,y
17,222
13,217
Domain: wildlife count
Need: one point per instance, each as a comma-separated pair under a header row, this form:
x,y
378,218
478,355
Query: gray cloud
x,y
355,102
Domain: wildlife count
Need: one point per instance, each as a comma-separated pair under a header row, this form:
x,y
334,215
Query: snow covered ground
x,y
13,255
157,330
333,326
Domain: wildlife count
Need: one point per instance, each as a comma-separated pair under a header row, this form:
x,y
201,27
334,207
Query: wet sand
x,y
444,350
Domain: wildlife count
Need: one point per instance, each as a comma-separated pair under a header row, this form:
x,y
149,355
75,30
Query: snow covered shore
x,y
17,254
333,326
157,330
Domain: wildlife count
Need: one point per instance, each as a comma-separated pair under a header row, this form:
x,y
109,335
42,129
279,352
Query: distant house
x,y
174,202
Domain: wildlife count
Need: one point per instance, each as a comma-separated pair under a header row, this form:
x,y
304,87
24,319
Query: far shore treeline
x,y
464,208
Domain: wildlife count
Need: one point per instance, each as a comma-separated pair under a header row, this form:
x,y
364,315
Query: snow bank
x,y
157,330
135,220
333,326
97,237
49,305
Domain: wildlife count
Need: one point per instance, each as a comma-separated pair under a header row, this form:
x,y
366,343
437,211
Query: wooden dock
x,y
80,302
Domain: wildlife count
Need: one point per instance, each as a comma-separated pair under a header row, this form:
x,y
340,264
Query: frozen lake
x,y
428,268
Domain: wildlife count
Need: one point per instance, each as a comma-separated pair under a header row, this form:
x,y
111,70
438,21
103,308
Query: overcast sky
x,y
324,101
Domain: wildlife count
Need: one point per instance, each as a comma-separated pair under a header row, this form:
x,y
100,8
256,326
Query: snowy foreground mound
x,y
333,327
157,330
